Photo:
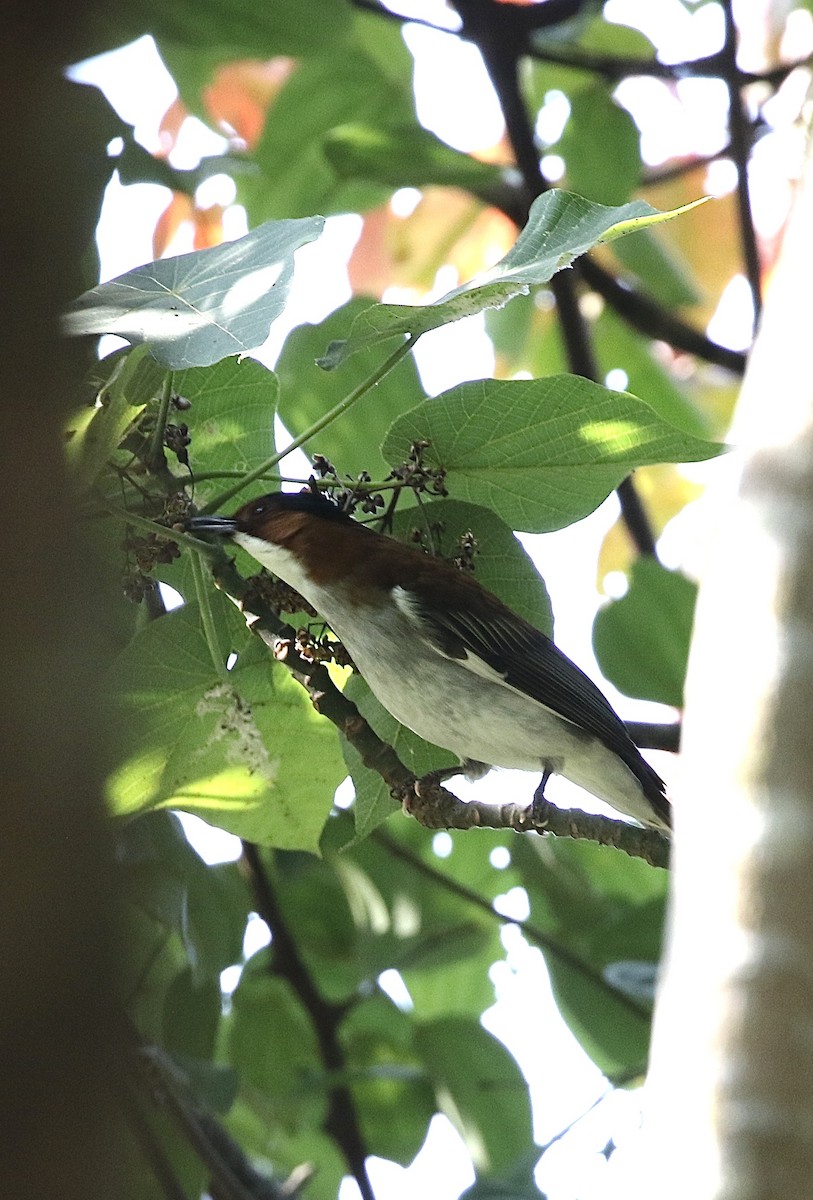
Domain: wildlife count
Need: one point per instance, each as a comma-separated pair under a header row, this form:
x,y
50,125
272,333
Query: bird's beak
x,y
220,526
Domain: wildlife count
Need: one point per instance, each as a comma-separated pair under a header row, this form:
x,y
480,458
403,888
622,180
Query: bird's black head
x,y
314,503
253,515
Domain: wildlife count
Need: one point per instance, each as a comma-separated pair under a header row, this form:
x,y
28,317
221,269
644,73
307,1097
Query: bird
x,y
445,656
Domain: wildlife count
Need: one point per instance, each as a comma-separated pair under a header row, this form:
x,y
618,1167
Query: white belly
x,y
447,704
454,707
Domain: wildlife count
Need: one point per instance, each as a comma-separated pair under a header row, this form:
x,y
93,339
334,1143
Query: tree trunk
x,y
56,1047
730,1106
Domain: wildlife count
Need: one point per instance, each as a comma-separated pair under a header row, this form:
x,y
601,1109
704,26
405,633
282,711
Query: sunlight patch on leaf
x,y
198,308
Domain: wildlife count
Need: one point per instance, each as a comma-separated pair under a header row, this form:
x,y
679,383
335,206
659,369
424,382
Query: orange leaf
x,y
208,227
178,210
170,127
448,226
241,93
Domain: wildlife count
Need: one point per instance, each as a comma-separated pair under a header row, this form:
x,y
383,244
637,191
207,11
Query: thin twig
x,y
740,153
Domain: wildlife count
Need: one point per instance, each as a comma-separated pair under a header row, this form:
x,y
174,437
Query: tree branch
x,y
483,23
649,317
740,153
232,1177
436,808
342,1121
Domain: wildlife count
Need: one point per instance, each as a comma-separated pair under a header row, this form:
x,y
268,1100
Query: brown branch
x,y
232,1177
654,735
436,808
740,134
342,1120
651,318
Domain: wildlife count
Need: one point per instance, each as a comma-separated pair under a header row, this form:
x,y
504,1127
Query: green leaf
x,y
560,227
607,908
327,927
479,1087
191,1015
293,176
231,420
516,1183
267,1142
353,440
406,156
501,563
541,453
193,36
600,145
195,309
642,640
94,433
244,749
393,1097
441,945
272,1044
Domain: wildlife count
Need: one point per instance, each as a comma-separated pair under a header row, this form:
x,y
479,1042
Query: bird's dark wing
x,y
530,662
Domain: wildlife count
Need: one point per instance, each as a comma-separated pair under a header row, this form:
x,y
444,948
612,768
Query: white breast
x,y
466,708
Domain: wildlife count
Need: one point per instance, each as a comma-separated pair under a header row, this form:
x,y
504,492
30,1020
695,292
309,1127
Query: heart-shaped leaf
x,y
560,227
541,453
195,309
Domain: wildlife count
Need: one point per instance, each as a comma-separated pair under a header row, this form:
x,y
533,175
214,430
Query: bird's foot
x,y
432,780
429,802
539,811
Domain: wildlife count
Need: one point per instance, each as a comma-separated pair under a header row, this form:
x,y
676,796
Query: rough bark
x,y
731,1084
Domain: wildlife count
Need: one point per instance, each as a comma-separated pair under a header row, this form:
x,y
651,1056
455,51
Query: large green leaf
x,y
600,146
407,156
195,309
608,909
543,452
231,420
293,176
642,640
221,746
272,1043
194,35
441,945
393,1097
515,1183
479,1087
560,227
353,440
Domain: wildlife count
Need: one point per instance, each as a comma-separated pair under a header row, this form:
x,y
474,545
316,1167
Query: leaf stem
x,y
207,617
338,409
173,535
155,452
